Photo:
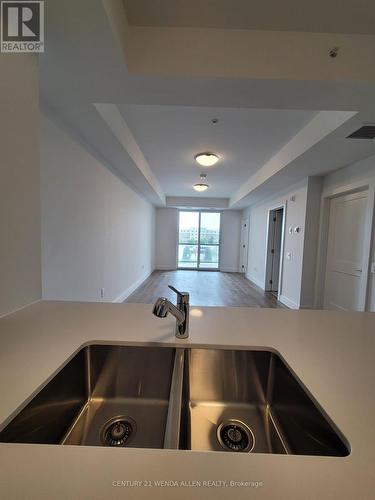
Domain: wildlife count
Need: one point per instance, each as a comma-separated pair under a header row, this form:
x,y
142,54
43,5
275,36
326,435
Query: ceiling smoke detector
x,y
201,186
334,52
206,159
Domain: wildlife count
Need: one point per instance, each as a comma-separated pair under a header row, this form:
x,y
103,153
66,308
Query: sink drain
x,y
119,431
234,435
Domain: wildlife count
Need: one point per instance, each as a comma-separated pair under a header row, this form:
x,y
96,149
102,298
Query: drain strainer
x,y
234,435
119,431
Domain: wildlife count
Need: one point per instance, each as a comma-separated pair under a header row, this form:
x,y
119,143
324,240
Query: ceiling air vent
x,y
365,132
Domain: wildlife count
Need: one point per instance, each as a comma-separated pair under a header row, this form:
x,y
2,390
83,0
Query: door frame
x,y
244,220
327,196
200,211
267,288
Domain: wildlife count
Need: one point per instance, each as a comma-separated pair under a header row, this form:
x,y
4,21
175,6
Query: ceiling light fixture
x,y
201,186
206,159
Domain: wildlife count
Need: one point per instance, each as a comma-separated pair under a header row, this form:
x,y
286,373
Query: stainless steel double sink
x,y
183,398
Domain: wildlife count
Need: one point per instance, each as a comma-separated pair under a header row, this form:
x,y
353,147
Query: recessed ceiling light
x,y
201,186
206,159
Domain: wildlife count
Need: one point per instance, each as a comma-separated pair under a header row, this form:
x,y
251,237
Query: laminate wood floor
x,y
206,288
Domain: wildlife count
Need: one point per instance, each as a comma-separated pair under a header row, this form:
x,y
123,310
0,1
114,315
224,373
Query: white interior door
x,y
244,244
345,258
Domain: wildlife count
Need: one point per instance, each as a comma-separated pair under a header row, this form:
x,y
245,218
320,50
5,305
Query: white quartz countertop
x,y
333,353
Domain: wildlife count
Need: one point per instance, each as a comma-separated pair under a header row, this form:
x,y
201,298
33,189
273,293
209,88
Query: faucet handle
x,y
184,296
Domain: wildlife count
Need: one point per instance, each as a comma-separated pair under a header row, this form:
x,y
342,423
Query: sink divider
x,y
269,398
88,395
172,428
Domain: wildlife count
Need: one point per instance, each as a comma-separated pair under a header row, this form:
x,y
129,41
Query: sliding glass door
x,y
188,240
209,240
199,240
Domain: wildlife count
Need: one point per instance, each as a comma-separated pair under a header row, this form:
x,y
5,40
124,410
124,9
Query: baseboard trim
x,y
255,282
287,302
124,295
228,270
165,268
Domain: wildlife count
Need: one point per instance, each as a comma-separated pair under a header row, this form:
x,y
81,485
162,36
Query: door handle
x,y
358,270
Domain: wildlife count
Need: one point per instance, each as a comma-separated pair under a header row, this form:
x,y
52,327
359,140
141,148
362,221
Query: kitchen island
x,y
331,352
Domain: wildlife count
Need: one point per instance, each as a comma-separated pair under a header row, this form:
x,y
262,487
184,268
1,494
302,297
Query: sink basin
x,y
191,399
236,400
104,395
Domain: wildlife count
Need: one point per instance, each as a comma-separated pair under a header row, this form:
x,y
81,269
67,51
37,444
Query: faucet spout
x,y
163,306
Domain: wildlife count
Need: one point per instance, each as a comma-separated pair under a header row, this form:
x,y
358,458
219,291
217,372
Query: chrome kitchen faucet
x,y
181,312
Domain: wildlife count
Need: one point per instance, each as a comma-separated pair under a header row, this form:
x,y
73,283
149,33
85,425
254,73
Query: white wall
x,y
300,272
96,232
294,243
166,234
230,240
20,274
359,173
311,240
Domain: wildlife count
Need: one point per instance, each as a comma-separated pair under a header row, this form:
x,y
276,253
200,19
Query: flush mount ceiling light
x,y
201,186
206,159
